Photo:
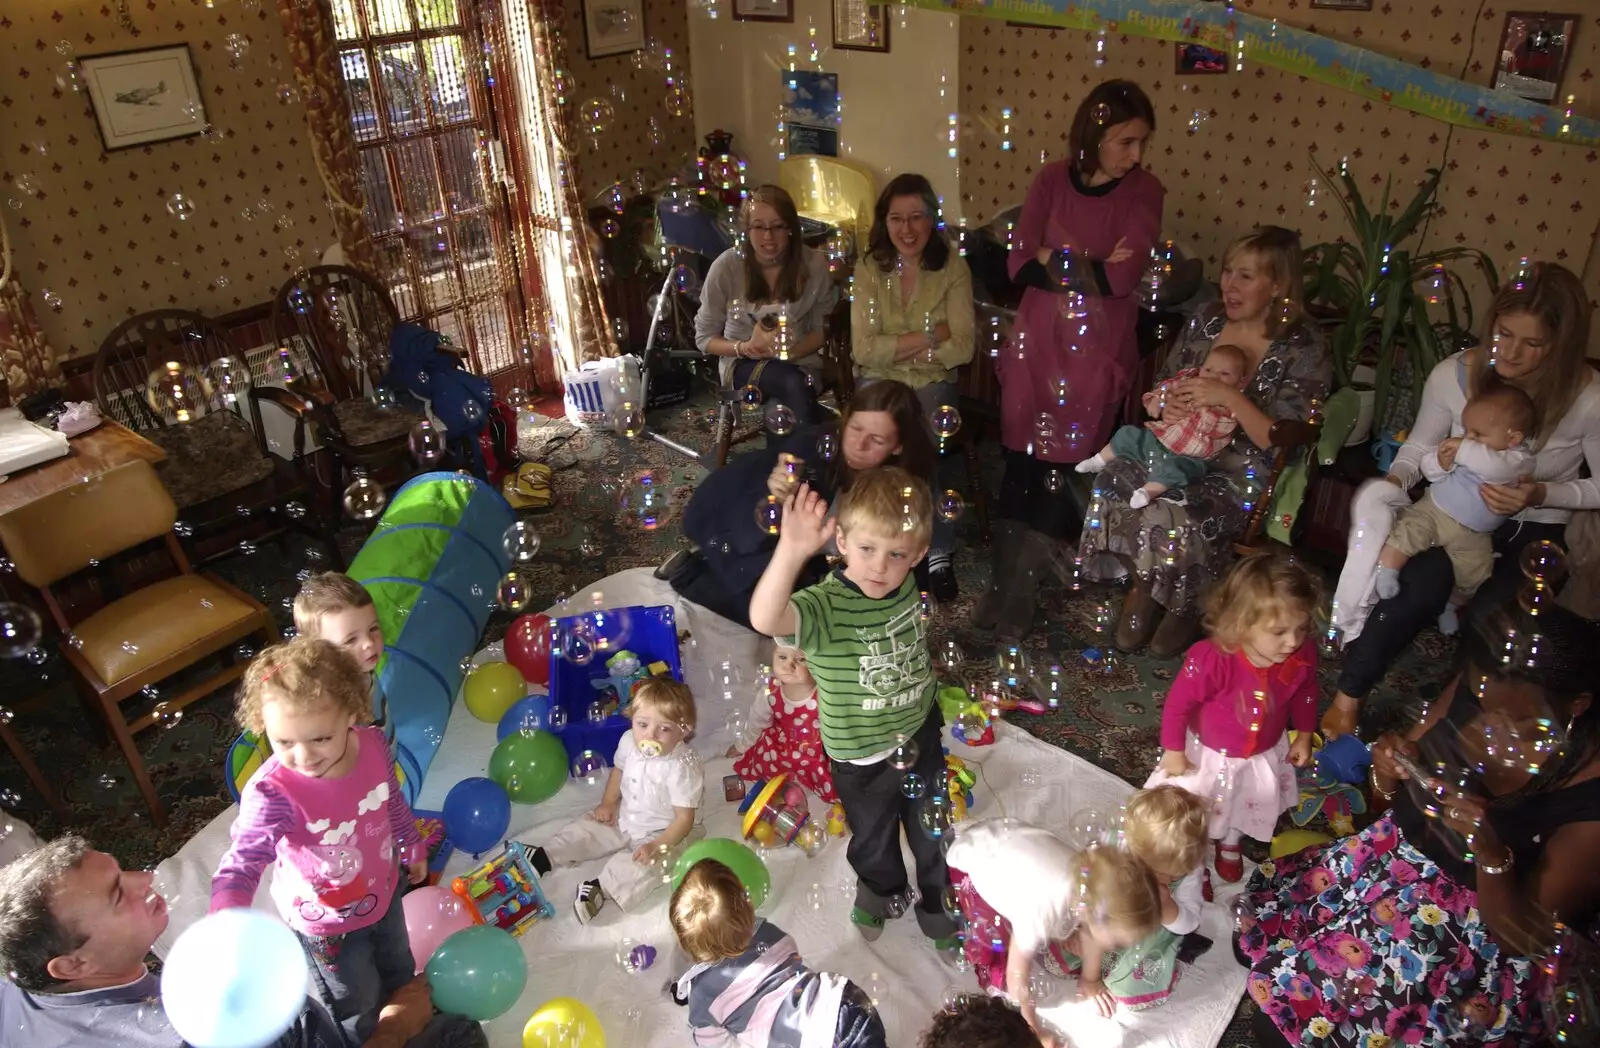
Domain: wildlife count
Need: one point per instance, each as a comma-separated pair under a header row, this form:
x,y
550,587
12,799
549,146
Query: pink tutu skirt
x,y
1247,794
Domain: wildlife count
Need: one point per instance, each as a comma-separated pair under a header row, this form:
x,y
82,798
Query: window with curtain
x,y
424,126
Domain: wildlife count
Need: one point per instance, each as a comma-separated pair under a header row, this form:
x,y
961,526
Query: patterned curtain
x,y
309,30
567,321
29,362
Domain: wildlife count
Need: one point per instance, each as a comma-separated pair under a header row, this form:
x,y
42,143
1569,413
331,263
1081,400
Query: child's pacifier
x,y
649,748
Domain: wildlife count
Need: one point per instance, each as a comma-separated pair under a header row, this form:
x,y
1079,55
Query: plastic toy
x,y
1330,785
959,780
1291,841
837,825
623,672
971,726
579,677
504,892
774,812
1346,759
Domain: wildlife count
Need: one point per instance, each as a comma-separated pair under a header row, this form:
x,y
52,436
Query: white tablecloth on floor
x,y
568,959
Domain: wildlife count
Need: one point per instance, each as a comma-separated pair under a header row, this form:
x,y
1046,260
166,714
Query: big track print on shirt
x,y
899,675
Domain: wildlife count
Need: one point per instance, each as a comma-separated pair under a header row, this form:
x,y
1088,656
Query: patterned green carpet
x,y
1110,719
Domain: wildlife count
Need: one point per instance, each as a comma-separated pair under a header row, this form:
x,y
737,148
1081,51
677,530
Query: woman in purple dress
x,y
1080,246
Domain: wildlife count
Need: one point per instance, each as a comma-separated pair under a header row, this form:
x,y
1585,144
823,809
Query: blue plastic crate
x,y
651,633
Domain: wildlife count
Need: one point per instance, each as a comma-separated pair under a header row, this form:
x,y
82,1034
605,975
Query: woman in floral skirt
x,y
1405,935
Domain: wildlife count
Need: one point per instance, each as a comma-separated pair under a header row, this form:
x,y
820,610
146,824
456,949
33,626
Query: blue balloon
x,y
478,972
477,812
235,979
529,714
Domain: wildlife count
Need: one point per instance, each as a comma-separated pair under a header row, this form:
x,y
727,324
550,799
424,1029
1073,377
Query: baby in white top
x,y
1452,514
651,804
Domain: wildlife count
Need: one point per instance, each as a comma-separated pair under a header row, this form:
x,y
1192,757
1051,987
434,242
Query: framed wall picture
x,y
860,26
1343,5
613,27
763,10
1199,60
144,96
1534,50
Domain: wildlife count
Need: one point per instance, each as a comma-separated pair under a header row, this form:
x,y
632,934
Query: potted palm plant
x,y
1392,309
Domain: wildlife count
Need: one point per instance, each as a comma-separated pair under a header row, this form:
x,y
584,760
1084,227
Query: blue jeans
x,y
781,382
356,973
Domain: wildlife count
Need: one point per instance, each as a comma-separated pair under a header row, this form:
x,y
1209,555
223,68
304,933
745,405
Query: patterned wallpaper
x,y
641,131
92,233
1232,148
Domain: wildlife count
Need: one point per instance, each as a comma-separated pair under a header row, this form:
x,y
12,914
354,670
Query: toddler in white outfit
x,y
650,806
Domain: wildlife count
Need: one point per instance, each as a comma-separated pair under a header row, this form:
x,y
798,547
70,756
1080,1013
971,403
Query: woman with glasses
x,y
1082,241
762,307
911,321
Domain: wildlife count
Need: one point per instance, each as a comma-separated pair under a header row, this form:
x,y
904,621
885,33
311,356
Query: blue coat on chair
x,y
459,399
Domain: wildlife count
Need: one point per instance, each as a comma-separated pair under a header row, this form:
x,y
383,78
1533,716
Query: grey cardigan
x,y
725,283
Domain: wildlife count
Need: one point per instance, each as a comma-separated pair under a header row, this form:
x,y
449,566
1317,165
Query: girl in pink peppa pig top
x,y
326,810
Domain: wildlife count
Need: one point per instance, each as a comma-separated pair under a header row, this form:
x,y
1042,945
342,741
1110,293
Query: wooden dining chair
x,y
228,483
137,637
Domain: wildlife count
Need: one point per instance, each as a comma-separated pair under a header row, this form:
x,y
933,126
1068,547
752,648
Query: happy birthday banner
x,y
1299,52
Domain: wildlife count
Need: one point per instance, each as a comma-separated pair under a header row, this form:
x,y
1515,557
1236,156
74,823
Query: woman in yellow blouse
x,y
911,319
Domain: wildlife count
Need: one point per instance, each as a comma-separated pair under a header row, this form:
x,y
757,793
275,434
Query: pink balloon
x,y
433,914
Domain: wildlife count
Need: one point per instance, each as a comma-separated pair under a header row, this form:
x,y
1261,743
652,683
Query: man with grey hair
x,y
75,929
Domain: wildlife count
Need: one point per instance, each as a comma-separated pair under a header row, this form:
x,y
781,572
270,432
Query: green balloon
x,y
530,765
745,864
478,972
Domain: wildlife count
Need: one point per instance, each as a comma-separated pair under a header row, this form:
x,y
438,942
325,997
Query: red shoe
x,y
1229,863
1205,886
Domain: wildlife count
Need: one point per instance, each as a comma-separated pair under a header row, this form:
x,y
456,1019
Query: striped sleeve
x,y
265,816
810,618
402,821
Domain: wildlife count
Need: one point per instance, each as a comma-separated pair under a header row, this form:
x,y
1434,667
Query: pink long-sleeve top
x,y
1062,379
1236,707
333,841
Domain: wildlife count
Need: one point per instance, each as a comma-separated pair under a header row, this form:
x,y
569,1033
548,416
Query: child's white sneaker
x,y
589,901
1093,464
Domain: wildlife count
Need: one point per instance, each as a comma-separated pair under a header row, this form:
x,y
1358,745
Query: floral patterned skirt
x,y
1367,943
1178,550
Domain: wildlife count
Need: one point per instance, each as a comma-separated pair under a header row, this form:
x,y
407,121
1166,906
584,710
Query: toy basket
x,y
651,633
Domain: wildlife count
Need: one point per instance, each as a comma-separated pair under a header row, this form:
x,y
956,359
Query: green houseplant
x,y
1378,290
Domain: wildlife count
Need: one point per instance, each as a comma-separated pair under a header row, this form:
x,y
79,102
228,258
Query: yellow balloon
x,y
1290,841
491,689
545,1026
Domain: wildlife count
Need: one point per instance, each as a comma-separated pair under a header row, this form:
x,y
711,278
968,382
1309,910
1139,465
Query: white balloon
x,y
234,979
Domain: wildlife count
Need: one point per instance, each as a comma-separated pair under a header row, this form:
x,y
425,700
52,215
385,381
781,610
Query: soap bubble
x,y
166,715
946,421
176,393
68,79
827,447
936,816
577,641
20,629
811,839
750,397
913,786
816,896
427,444
633,957
237,45
521,542
364,500
1102,112
1543,561
1088,826
627,420
644,499
948,657
180,207
780,419
596,114
903,757
970,725
230,380
769,514
589,766
951,505
513,593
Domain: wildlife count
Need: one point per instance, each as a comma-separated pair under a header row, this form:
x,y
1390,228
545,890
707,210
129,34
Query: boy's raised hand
x,y
805,522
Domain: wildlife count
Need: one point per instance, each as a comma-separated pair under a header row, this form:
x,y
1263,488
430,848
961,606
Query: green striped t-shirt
x,y
870,658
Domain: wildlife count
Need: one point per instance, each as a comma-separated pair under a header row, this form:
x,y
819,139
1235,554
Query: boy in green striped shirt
x,y
862,631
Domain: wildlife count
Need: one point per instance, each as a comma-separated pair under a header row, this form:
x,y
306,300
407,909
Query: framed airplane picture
x,y
145,96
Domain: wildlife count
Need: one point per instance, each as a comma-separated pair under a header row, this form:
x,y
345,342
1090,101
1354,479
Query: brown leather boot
x,y
1006,545
1140,615
1173,637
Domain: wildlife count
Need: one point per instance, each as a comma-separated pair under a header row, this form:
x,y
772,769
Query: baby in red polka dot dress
x,y
783,721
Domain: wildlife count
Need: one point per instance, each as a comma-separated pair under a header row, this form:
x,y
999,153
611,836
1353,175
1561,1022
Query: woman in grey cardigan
x,y
762,309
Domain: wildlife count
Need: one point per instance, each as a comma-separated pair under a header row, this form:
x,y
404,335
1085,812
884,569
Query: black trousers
x,y
1425,586
877,811
696,581
1026,495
